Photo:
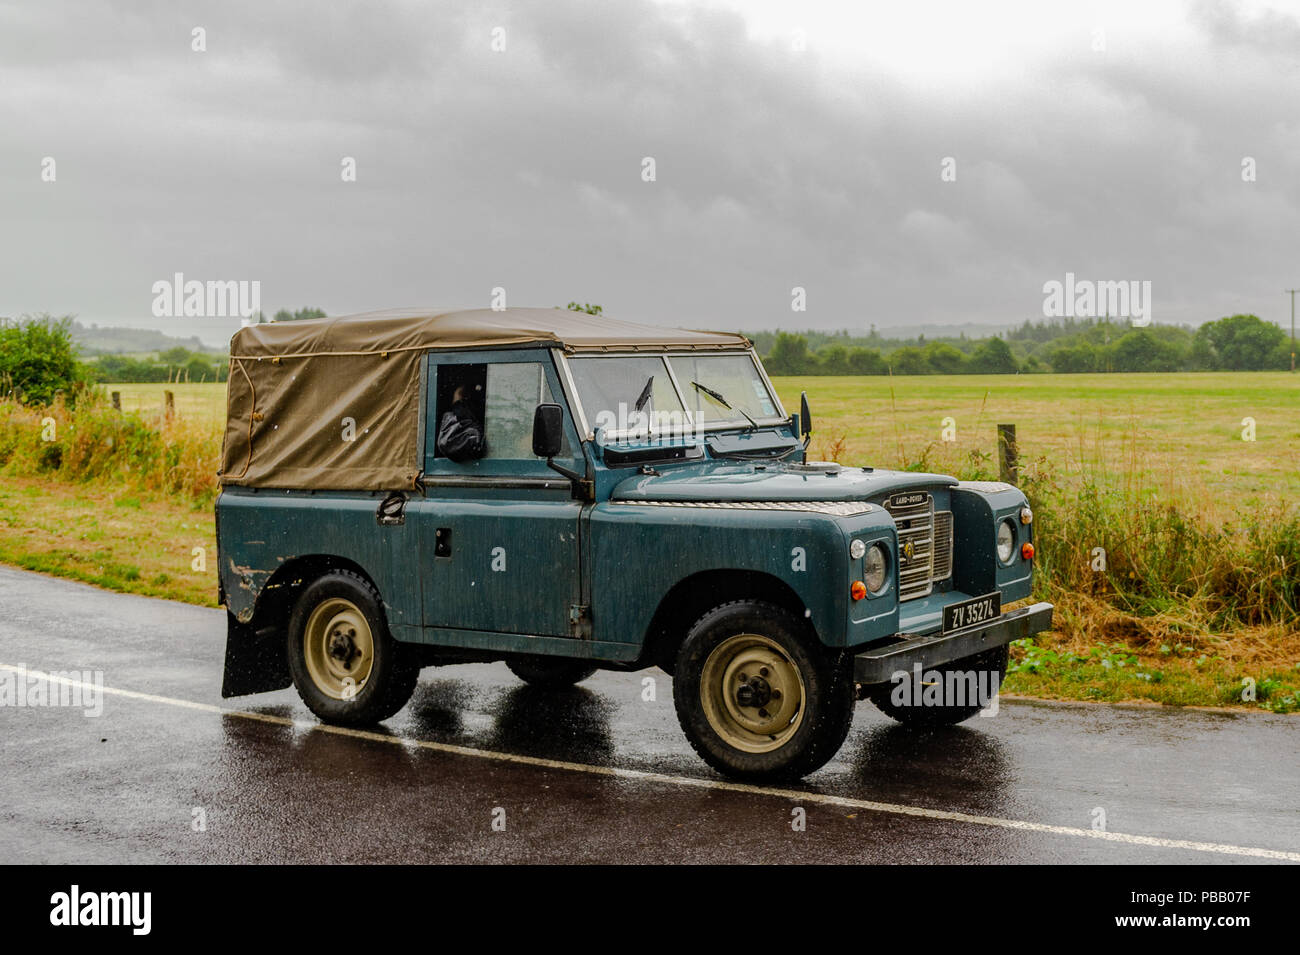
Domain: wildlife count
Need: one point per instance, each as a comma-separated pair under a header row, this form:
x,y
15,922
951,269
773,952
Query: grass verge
x,y
110,535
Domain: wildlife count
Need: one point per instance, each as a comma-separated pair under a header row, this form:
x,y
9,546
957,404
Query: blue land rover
x,y
567,493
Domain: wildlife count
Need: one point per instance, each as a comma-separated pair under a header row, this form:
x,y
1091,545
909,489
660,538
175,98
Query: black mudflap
x,y
256,661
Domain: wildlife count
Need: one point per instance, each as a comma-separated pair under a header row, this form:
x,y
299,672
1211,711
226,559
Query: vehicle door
x,y
500,534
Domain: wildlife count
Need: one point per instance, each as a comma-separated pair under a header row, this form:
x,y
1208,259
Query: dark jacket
x,y
460,436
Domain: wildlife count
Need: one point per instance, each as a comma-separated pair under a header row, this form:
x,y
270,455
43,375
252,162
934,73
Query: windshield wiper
x,y
717,396
647,397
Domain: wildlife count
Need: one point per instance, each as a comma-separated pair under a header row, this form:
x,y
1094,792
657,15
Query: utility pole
x,y
1291,292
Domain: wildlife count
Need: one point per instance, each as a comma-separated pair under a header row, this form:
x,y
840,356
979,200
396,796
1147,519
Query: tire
x,y
550,672
337,634
948,712
730,721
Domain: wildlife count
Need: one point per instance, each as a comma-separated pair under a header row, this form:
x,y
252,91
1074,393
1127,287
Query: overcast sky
x,y
794,145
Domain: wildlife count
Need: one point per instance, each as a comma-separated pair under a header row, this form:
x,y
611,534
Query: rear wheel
x,y
550,672
758,696
945,695
347,667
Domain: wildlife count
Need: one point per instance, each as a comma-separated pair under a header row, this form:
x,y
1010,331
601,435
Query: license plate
x,y
971,612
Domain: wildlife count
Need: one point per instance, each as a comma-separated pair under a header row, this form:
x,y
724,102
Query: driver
x,y
460,433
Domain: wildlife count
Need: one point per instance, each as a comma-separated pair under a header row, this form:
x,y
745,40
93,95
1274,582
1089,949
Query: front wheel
x,y
347,667
758,696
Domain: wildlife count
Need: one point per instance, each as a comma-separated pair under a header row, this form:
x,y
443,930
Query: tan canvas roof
x,y
399,329
333,403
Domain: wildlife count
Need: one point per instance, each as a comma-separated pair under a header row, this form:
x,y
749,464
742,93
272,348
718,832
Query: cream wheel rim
x,y
752,693
338,648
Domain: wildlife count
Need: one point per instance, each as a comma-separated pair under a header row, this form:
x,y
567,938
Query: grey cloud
x,y
522,169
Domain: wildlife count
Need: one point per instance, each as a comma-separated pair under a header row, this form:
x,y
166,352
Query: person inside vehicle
x,y
460,432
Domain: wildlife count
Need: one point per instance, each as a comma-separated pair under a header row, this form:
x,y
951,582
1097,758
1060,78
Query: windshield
x,y
626,394
712,382
623,394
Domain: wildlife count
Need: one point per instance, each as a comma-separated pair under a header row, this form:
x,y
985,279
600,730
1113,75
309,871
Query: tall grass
x,y
1149,555
1130,553
94,442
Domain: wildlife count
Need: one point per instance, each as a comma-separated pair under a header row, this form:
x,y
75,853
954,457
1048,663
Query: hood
x,y
771,481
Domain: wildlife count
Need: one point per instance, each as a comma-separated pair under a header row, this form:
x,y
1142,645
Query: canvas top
x,y
369,333
292,384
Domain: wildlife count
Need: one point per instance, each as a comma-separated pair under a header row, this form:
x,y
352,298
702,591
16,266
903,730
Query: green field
x,y
1180,432
206,402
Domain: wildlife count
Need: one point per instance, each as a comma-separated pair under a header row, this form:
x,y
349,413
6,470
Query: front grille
x,y
924,543
942,545
915,522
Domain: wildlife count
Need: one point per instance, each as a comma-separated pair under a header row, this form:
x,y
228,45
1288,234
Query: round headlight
x,y
873,570
1006,541
857,549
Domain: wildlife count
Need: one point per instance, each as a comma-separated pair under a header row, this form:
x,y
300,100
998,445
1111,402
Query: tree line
x,y
172,364
1234,343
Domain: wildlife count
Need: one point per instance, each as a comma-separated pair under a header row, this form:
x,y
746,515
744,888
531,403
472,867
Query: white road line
x,y
638,775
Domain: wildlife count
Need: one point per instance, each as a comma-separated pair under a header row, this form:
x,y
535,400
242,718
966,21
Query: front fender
x,y
640,551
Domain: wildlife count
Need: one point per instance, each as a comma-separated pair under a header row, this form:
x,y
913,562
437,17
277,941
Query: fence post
x,y
1008,453
169,405
117,400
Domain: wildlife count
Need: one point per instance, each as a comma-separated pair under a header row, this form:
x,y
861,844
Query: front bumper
x,y
878,665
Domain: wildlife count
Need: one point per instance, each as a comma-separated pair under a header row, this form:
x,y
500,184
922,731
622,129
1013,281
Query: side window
x,y
499,398
514,390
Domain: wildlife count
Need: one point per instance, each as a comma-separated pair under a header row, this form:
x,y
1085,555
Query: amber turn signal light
x,y
1027,551
858,590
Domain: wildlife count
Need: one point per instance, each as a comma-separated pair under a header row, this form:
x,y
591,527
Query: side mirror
x,y
548,439
805,418
548,430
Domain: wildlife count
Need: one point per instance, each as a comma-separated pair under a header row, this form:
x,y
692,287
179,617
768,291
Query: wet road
x,y
480,768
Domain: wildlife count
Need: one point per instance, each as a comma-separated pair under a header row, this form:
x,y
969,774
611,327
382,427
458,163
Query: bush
x,y
1281,358
908,361
1139,350
110,368
199,368
1239,343
834,360
867,361
38,361
790,356
945,359
993,357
